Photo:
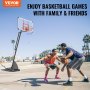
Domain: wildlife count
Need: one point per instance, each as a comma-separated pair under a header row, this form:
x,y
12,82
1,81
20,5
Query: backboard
x,y
25,25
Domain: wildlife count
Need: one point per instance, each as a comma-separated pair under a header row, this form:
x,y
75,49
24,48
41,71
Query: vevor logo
x,y
11,3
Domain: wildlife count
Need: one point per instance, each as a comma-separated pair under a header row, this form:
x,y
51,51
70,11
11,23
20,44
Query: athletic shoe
x,y
68,83
45,80
85,80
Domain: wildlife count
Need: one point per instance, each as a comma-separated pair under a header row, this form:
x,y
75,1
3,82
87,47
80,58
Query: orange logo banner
x,y
11,3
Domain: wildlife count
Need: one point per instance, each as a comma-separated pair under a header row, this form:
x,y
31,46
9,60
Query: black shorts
x,y
52,66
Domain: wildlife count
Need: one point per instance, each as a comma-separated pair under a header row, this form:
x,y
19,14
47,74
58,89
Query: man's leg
x,y
69,82
69,67
78,68
81,72
85,77
46,73
57,72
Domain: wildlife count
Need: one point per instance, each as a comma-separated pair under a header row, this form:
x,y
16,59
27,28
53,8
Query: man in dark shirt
x,y
76,61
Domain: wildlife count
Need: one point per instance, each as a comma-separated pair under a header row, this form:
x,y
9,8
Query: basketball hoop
x,y
25,25
26,29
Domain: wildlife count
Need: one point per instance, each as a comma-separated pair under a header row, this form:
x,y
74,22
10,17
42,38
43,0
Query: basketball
x,y
65,61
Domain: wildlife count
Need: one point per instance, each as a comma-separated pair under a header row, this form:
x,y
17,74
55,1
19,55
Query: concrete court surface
x,y
30,77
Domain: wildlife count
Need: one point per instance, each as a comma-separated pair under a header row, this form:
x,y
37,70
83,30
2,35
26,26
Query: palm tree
x,y
44,53
86,41
58,47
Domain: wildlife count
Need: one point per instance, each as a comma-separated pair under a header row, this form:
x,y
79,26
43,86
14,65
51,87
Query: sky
x,y
49,31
